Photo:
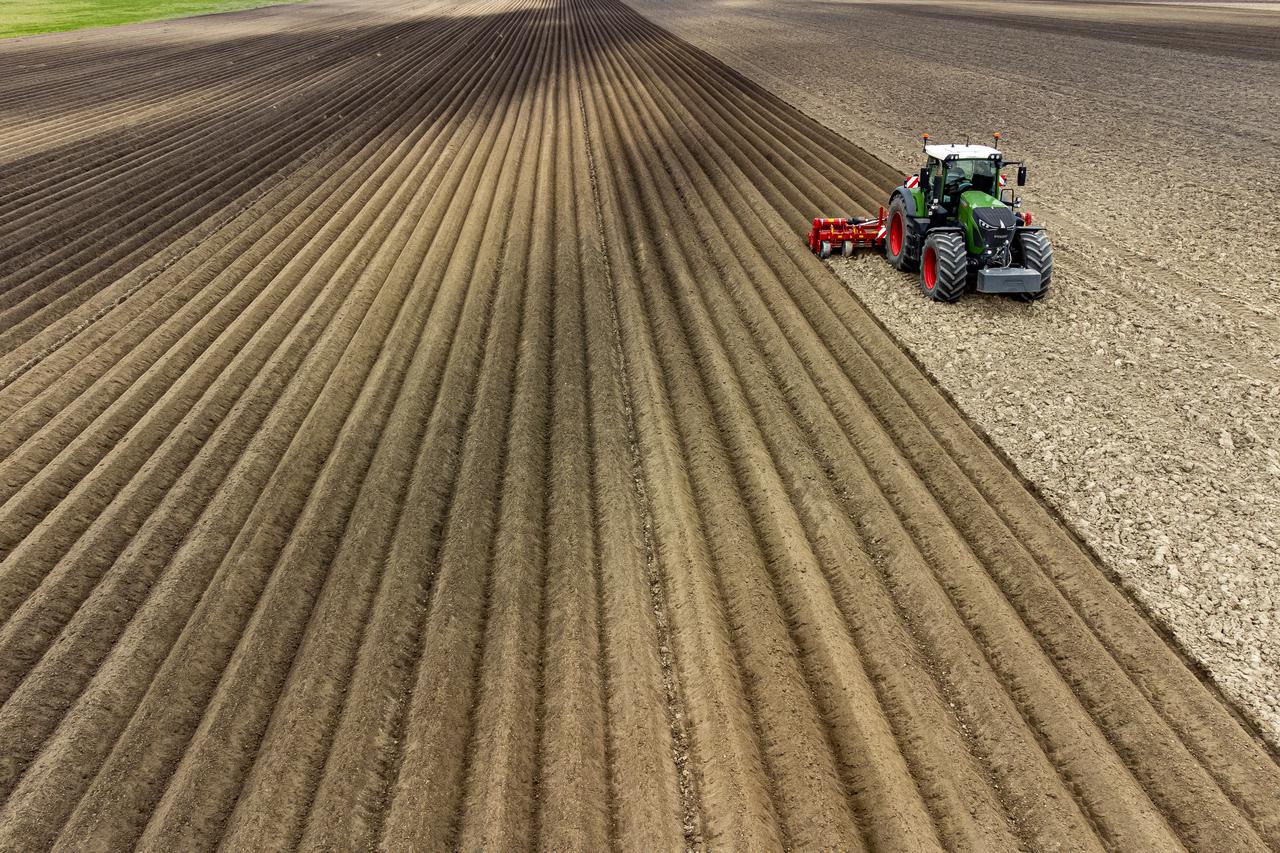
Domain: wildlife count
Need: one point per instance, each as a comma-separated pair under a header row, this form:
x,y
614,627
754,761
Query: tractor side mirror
x,y
1006,197
1022,176
924,176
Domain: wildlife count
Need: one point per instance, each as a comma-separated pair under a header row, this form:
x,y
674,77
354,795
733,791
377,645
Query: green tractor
x,y
955,223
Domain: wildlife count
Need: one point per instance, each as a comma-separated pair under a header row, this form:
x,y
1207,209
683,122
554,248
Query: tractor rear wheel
x,y
944,268
1037,255
896,243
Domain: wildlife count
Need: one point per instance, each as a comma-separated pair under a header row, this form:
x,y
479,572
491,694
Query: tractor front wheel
x,y
1037,255
944,268
896,239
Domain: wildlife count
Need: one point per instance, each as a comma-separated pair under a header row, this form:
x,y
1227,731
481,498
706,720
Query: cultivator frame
x,y
843,236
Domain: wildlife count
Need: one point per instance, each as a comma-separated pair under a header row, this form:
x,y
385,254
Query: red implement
x,y
841,236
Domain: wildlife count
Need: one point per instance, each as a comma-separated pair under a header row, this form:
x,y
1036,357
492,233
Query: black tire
x,y
897,250
1037,255
944,266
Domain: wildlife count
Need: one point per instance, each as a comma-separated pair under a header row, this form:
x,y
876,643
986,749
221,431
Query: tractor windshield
x,y
978,175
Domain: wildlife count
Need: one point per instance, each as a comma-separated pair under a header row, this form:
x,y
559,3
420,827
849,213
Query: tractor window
x,y
935,169
980,175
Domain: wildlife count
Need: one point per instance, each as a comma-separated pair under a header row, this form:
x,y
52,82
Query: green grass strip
x,y
31,17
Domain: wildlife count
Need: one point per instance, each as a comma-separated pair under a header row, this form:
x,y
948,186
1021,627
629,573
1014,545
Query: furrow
x,y
648,737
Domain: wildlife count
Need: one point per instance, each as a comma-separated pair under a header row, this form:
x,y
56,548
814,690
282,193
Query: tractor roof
x,y
963,152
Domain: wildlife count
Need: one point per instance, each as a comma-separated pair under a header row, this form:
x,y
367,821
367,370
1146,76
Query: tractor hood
x,y
990,223
975,199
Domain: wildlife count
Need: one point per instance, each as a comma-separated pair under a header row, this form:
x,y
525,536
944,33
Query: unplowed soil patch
x,y
424,427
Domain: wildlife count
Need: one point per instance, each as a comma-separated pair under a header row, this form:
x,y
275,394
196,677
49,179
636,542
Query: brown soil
x,y
1142,397
423,428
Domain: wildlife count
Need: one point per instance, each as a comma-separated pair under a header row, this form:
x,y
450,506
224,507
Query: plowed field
x,y
424,427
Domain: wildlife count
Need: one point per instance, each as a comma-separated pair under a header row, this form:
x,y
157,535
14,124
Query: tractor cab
x,y
953,170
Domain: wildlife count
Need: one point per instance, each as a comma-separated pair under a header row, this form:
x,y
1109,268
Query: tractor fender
x,y
1022,229
923,232
908,199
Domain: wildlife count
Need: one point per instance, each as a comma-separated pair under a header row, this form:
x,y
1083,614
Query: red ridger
x,y
841,236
